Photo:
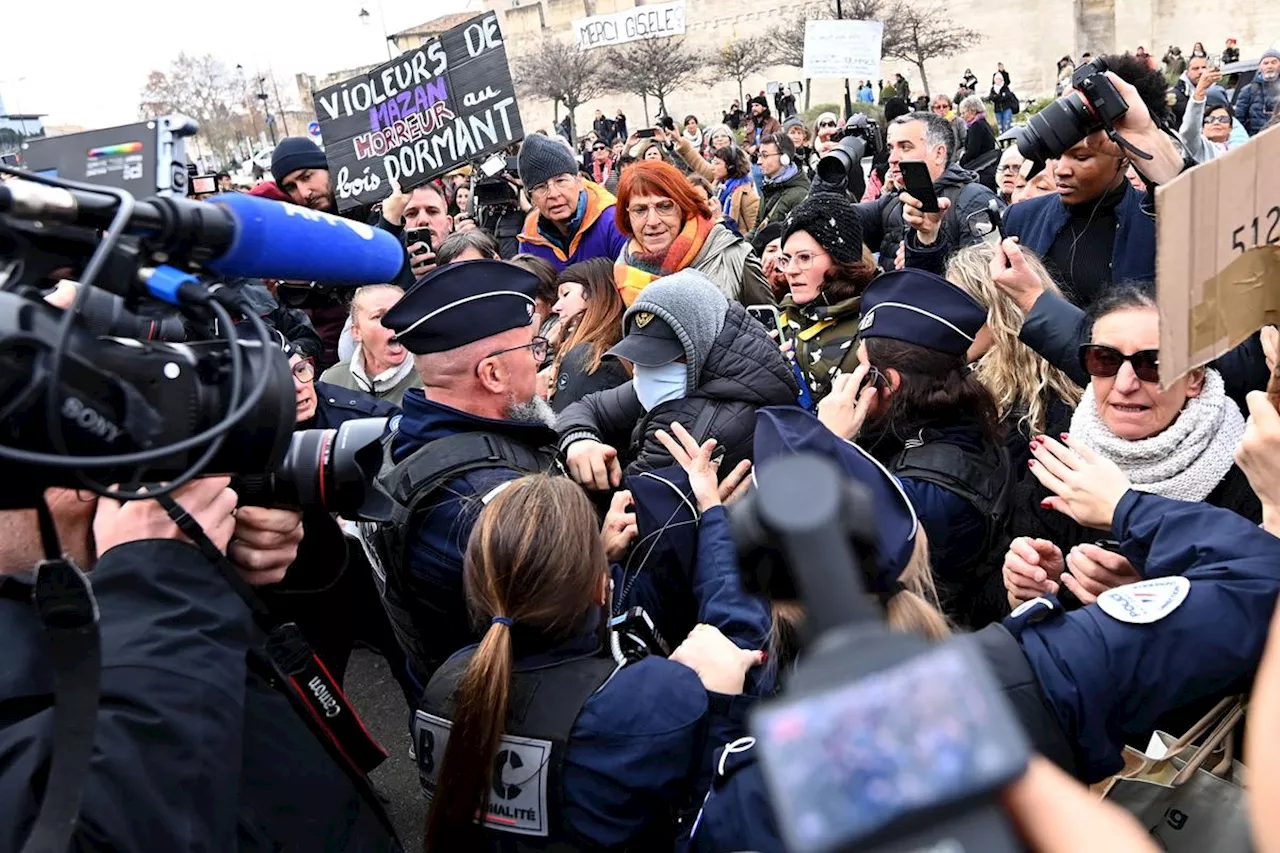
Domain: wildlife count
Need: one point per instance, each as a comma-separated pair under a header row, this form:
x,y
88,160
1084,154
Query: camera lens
x,y
1056,128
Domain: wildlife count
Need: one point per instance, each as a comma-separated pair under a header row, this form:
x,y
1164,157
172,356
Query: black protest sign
x,y
428,111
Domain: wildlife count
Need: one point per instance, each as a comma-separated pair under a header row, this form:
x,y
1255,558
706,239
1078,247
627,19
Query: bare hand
x,y
265,543
619,529
696,462
1262,747
63,294
1088,486
1094,570
1010,272
900,258
1208,77
1270,346
1031,569
736,483
594,465
545,382
209,500
463,222
845,409
1056,814
1137,126
421,260
926,225
720,665
393,205
1259,457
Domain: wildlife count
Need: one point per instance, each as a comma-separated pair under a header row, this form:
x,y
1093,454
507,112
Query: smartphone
x,y
646,133
916,180
771,318
1108,545
419,235
997,221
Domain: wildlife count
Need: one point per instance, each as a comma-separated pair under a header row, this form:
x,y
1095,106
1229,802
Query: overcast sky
x,y
54,58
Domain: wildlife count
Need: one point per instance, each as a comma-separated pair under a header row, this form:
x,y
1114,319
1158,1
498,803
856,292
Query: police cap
x,y
921,308
461,303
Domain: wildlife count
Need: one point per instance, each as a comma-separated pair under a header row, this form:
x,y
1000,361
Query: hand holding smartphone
x,y
917,181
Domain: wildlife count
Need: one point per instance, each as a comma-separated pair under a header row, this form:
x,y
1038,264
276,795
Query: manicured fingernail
x,y
1046,504
1064,436
764,657
1031,463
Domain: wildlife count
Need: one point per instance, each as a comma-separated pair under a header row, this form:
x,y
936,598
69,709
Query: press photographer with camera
x,y
1097,229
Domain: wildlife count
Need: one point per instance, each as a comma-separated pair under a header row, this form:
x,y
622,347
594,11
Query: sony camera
x,y
1093,104
840,169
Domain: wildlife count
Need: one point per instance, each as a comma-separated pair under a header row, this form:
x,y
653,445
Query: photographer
x,y
194,748
1097,229
962,201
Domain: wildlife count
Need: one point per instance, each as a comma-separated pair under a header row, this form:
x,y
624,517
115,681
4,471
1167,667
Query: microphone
x,y
231,234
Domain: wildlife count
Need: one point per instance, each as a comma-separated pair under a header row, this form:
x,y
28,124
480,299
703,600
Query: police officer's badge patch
x,y
1146,601
866,321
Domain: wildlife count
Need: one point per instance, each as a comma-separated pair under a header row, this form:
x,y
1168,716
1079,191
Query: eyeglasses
x,y
802,260
941,108
1104,361
304,371
599,148
1217,119
563,183
666,207
538,346
1011,168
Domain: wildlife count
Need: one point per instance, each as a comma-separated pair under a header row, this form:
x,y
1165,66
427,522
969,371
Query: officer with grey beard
x,y
476,423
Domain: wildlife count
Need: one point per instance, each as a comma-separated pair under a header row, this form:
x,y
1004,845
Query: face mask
x,y
656,385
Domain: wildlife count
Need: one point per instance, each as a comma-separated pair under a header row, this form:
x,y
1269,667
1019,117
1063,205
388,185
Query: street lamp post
x,y
848,99
364,17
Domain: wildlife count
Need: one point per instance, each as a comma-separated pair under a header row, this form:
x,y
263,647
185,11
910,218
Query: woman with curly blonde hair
x,y
1032,396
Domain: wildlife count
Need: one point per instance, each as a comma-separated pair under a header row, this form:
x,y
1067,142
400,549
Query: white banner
x,y
642,22
842,49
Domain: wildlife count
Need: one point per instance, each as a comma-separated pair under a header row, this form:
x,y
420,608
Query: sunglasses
x,y
1104,361
1217,119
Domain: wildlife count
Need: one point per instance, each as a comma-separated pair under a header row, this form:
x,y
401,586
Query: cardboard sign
x,y
427,112
1218,255
842,49
643,22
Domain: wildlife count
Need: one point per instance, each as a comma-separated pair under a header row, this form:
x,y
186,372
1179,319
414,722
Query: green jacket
x,y
826,339
780,199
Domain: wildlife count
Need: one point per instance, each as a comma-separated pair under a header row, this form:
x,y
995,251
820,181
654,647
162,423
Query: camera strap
x,y
324,706
68,611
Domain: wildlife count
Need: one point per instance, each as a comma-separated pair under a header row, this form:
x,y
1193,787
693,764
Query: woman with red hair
x,y
670,227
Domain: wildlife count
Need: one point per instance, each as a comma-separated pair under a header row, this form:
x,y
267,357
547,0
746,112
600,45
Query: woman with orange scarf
x,y
669,227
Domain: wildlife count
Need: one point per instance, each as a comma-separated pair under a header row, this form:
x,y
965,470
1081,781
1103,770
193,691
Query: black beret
x,y
921,308
461,303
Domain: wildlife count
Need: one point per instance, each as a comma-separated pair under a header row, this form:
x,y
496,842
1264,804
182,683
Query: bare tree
x,y
203,88
557,71
741,58
924,32
654,68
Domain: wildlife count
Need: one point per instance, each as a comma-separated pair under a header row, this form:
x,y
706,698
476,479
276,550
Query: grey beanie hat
x,y
694,308
542,158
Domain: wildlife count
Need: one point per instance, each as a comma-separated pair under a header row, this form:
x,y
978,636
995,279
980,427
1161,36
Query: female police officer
x,y
1082,681
537,729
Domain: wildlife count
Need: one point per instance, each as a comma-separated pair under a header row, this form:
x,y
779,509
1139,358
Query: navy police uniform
x,y
440,463
960,482
1085,680
597,756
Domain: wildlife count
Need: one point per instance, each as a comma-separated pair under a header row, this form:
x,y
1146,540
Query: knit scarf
x,y
785,175
727,191
635,268
1186,461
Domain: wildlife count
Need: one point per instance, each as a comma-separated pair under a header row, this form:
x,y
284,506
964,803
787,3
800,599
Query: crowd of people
x,y
583,384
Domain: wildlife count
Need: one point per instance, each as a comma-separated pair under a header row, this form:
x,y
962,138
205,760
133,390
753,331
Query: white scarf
x,y
1187,460
385,380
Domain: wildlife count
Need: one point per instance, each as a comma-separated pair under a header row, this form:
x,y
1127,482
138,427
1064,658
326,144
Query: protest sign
x,y
643,22
428,111
1218,255
842,48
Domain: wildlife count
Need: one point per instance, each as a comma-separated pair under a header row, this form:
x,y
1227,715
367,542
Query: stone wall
x,y
1028,38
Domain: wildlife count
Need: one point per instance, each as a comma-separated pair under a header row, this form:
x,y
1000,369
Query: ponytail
x,y
466,771
909,613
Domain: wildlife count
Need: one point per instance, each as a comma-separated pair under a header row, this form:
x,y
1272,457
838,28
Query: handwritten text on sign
x,y
842,48
425,113
642,22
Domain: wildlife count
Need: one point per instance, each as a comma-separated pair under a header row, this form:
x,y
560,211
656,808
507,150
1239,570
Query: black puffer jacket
x,y
743,371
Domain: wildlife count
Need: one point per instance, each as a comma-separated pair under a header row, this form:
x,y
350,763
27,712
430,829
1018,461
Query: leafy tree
x,y
924,32
654,68
557,71
741,58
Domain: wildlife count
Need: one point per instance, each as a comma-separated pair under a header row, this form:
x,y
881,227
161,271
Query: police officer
x,y
475,424
1080,682
194,745
934,425
538,727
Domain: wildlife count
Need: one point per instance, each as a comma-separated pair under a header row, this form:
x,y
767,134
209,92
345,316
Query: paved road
x,y
377,697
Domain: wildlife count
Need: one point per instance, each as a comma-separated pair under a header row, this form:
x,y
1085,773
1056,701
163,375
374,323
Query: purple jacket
x,y
597,236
